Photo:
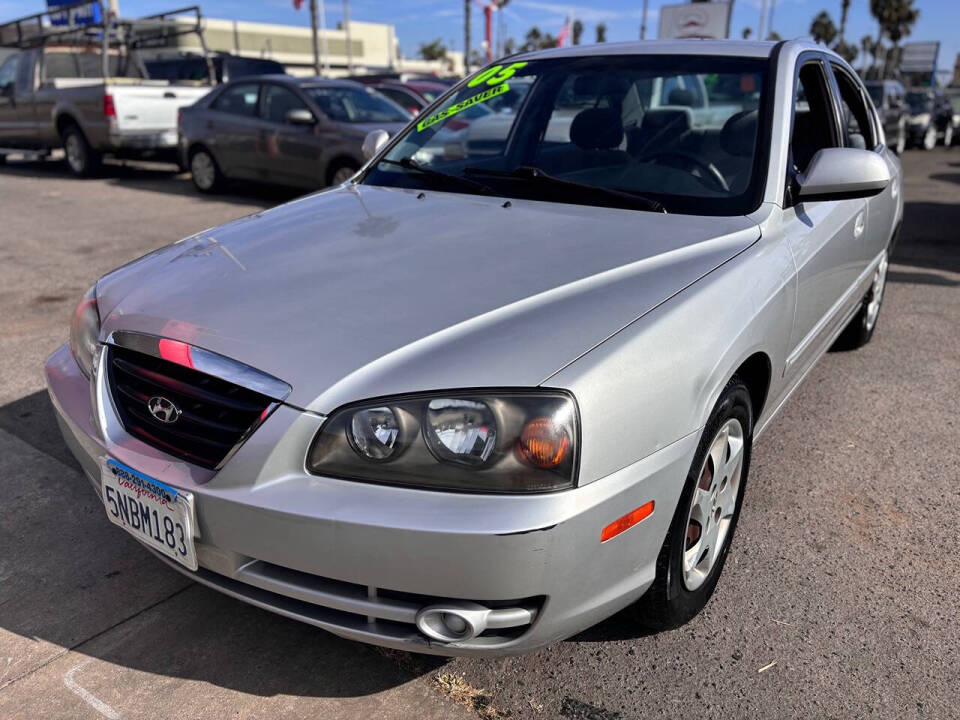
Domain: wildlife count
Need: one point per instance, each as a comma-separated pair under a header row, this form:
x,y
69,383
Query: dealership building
x,y
367,47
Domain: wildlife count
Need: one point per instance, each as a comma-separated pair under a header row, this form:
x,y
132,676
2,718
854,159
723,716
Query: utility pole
x,y
324,55
763,17
316,39
773,6
466,36
643,22
346,26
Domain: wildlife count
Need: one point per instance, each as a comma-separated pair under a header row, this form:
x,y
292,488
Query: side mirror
x,y
373,142
300,117
843,174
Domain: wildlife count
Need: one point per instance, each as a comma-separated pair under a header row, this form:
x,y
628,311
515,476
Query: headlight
x,y
921,119
510,441
85,331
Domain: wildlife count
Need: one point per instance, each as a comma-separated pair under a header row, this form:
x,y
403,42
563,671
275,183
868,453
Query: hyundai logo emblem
x,y
163,410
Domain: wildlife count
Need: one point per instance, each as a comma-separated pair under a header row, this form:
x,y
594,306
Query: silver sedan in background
x,y
301,132
477,399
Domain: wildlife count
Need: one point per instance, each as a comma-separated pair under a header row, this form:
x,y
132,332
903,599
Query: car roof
x,y
733,48
303,82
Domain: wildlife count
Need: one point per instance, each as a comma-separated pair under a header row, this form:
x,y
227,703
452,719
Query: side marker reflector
x,y
627,521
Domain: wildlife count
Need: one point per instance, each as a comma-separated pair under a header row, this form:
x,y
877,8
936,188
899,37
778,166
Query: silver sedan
x,y
483,395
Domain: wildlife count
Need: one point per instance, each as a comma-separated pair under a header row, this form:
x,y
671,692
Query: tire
x,y
859,330
948,135
901,145
687,567
341,171
82,160
929,141
204,171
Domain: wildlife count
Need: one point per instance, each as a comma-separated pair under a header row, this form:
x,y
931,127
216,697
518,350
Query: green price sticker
x,y
496,74
462,105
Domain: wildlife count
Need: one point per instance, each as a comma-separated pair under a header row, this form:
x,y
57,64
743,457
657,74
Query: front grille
x,y
215,415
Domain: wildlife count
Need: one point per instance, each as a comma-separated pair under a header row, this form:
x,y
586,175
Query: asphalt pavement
x,y
839,599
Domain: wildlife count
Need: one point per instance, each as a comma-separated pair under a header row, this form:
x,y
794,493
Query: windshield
x,y
356,105
876,94
680,130
919,102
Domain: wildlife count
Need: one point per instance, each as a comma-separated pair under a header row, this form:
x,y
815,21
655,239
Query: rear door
x,y
289,153
824,236
8,100
233,121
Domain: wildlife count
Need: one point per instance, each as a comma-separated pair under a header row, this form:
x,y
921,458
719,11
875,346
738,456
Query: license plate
x,y
153,512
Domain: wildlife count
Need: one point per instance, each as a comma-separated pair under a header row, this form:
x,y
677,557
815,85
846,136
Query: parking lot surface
x,y
839,598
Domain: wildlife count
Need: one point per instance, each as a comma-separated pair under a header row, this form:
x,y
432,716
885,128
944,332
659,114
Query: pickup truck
x,y
55,93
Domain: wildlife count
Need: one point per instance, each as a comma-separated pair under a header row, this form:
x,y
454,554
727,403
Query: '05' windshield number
x,y
496,74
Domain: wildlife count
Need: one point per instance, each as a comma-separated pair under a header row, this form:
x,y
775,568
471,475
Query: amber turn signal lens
x,y
627,521
543,443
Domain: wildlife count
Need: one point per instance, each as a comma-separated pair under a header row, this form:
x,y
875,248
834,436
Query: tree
x,y
823,29
895,19
848,51
746,33
601,32
844,9
774,36
867,48
577,31
535,40
435,50
509,46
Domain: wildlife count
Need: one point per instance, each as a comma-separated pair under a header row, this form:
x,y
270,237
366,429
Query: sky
x,y
420,21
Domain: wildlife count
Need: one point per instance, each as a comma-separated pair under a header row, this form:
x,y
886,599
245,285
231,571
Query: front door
x,y
8,100
824,236
234,125
288,151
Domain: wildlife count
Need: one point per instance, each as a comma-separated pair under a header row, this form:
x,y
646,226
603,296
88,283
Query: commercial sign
x,y
695,20
919,57
85,14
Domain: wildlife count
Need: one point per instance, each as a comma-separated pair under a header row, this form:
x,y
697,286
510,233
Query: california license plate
x,y
155,513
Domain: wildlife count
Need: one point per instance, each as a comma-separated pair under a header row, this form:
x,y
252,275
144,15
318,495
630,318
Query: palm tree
x,y
747,32
895,19
844,9
866,47
601,32
823,29
577,31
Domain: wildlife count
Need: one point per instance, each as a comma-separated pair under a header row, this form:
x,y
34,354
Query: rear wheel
x,y
341,171
695,549
948,136
901,144
82,159
204,171
861,327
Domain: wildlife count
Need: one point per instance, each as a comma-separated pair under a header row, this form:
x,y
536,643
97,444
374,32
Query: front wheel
x,y
901,144
930,138
341,171
695,549
860,329
82,159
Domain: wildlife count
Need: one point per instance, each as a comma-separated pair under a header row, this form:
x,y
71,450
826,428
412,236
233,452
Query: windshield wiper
x,y
525,172
408,163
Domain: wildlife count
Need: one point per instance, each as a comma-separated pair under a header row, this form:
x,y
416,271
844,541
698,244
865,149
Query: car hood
x,y
365,291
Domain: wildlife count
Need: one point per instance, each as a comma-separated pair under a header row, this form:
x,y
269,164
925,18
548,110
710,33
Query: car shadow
x,y
929,239
157,177
87,586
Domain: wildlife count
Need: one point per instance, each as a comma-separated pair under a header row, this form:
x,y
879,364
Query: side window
x,y
8,71
813,120
278,101
857,125
240,99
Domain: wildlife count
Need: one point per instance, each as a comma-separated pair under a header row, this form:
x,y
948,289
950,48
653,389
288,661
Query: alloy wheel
x,y
930,138
343,174
713,504
203,170
876,293
74,150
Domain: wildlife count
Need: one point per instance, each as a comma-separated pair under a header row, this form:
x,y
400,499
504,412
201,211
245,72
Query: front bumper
x,y
360,559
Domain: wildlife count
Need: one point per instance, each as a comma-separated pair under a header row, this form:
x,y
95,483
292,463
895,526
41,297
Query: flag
x,y
564,33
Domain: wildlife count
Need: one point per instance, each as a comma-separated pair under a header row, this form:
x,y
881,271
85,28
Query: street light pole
x,y
316,40
466,36
346,26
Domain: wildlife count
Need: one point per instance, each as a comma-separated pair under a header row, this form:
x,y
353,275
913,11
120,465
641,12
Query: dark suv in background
x,y
889,97
193,68
931,118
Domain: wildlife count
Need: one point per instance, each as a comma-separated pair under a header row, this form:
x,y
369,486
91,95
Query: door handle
x,y
858,226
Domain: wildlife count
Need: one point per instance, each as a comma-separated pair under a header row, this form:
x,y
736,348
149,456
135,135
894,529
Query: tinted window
x,y
86,64
356,105
278,101
859,130
401,98
812,117
599,123
8,71
190,69
240,99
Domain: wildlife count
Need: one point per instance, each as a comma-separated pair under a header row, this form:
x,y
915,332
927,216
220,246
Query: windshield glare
x,y
678,129
356,105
